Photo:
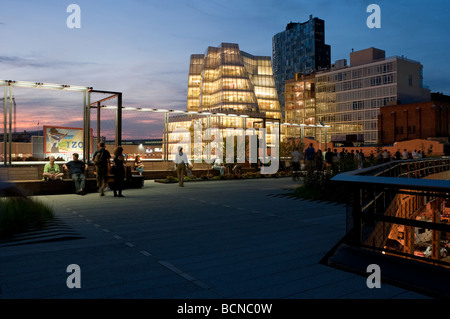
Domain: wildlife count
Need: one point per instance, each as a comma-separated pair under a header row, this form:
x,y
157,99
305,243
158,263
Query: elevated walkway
x,y
390,202
28,177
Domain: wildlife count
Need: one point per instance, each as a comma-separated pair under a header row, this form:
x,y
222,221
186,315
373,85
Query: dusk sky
x,y
142,48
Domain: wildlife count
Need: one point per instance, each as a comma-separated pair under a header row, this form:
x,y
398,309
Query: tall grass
x,y
19,215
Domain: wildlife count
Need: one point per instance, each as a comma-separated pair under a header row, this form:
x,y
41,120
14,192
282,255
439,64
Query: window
x,y
410,80
399,130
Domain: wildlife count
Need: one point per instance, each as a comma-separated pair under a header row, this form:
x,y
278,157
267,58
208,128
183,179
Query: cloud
x,y
27,62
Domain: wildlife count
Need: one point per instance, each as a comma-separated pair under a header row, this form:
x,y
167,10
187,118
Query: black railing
x,y
400,208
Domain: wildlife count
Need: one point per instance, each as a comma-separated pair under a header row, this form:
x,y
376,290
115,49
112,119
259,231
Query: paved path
x,y
218,239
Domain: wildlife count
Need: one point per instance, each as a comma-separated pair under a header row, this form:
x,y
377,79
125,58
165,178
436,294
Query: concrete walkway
x,y
217,239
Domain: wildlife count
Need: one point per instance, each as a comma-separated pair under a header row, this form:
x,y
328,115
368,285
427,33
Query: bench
x,y
29,179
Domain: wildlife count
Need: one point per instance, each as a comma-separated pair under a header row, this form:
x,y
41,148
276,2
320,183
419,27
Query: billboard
x,y
63,140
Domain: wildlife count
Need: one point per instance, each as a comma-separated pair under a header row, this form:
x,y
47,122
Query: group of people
x,y
310,157
332,158
104,168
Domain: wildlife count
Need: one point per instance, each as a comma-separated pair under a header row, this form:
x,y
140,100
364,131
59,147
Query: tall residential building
x,y
349,98
300,100
301,49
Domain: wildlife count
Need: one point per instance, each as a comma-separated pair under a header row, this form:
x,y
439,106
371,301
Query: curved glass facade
x,y
226,79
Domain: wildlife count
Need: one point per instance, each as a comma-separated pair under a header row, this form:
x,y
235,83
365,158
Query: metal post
x,y
320,138
356,214
10,125
436,235
5,118
302,134
166,136
87,146
119,120
84,126
98,123
326,140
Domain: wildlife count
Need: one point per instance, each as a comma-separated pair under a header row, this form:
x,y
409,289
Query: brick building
x,y
415,120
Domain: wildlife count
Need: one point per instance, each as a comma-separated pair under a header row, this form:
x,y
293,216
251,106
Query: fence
x,y
401,208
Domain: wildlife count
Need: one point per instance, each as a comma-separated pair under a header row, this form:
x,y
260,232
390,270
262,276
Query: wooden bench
x,y
29,179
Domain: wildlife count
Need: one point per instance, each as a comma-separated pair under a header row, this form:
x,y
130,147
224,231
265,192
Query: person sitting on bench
x,y
138,165
77,169
51,171
218,165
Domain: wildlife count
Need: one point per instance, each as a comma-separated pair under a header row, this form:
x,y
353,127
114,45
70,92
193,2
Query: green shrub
x,y
19,215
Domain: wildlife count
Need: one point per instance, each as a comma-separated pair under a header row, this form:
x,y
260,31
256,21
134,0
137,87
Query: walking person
x,y
181,160
318,160
296,157
310,153
329,158
119,172
102,166
77,169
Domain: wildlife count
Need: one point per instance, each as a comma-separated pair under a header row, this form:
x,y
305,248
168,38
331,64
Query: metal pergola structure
x,y
302,130
8,106
167,112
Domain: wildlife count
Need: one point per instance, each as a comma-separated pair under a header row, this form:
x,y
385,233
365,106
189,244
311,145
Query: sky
x,y
142,48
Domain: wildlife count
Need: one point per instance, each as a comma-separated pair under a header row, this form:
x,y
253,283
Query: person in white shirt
x,y
218,165
181,160
405,154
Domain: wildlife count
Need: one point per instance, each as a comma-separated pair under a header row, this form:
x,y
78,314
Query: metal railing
x,y
400,208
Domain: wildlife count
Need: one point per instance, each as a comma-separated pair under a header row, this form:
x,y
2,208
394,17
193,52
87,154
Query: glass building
x,y
300,49
300,100
227,79
227,89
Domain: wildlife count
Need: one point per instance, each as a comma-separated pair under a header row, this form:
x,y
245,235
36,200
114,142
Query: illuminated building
x,y
226,79
349,98
300,104
228,88
300,49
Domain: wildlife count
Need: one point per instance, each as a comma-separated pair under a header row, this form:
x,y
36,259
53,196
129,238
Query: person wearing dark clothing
x,y
119,172
296,158
329,158
319,160
76,169
398,155
309,153
102,167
